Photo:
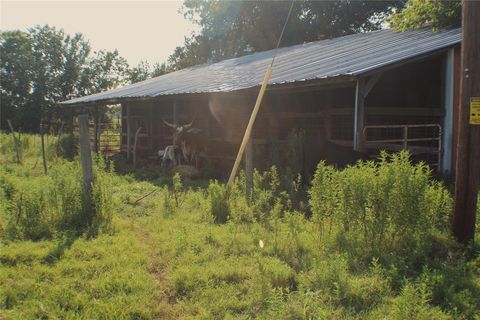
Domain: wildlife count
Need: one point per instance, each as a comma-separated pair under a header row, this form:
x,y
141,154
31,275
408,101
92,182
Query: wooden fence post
x,y
85,155
59,133
16,141
44,158
359,116
95,130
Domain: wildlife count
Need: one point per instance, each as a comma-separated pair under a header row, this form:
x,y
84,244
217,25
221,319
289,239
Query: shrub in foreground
x,y
40,207
386,206
219,208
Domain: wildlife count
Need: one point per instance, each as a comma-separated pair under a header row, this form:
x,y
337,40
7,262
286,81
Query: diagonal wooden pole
x,y
256,108
248,131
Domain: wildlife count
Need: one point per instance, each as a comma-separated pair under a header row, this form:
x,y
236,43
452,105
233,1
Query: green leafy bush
x,y
102,192
412,303
219,207
268,198
174,197
388,206
41,207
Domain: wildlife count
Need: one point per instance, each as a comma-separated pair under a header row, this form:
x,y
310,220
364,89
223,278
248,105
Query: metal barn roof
x,y
351,55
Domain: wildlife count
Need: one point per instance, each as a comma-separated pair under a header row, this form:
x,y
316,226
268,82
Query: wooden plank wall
x,y
222,117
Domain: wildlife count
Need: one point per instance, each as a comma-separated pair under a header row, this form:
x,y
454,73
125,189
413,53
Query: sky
x,y
140,30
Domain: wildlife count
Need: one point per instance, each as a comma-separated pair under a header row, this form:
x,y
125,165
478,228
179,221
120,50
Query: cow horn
x,y
187,126
169,124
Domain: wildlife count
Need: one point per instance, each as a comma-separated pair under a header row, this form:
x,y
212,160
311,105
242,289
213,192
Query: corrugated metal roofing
x,y
351,55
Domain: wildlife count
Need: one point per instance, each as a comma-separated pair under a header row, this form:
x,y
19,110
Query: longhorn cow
x,y
190,141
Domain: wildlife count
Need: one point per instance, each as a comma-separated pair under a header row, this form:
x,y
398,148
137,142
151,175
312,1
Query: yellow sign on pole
x,y
475,110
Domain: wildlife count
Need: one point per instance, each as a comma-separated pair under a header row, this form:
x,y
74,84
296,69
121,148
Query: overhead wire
x,y
258,102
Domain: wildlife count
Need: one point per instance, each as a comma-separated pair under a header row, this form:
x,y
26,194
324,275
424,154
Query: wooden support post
x,y
273,148
326,116
249,168
95,130
447,128
70,115
370,84
15,140
129,132
135,147
150,128
359,116
468,151
85,155
362,90
405,137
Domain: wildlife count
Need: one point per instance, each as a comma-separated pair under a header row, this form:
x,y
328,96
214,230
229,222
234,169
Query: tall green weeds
x,y
219,205
386,206
42,207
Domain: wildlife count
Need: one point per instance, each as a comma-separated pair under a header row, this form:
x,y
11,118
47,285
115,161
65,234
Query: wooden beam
x,y
359,121
420,112
389,111
371,83
292,115
314,85
129,131
378,111
222,157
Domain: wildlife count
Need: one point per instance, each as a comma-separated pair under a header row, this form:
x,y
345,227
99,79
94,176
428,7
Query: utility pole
x,y
468,150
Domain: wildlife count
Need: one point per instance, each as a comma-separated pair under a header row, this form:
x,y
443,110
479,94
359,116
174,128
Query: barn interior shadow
x,y
154,173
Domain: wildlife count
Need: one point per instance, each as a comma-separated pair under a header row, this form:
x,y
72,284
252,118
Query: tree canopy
x,y
235,28
144,71
44,66
428,13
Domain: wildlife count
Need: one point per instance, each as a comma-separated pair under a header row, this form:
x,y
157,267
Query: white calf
x,y
168,156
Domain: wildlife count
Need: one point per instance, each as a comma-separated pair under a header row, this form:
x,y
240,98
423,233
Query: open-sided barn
x,y
351,96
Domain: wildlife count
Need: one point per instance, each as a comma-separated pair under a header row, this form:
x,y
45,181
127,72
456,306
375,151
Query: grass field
x,y
347,247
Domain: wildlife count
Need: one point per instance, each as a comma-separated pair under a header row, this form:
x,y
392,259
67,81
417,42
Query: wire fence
x,y
107,140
